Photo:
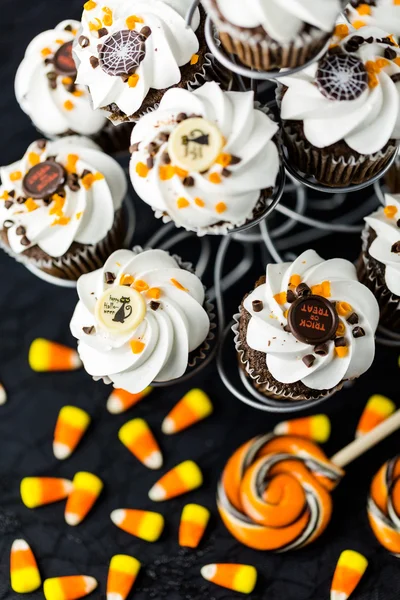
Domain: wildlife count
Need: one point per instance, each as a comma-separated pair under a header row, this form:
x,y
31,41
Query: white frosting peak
x,y
84,216
384,14
282,21
367,122
284,352
167,333
384,223
60,109
169,46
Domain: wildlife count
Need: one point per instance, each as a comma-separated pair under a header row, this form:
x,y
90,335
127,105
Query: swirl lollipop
x,y
275,491
384,505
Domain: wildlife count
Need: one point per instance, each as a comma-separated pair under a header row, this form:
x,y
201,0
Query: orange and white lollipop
x,y
384,505
274,493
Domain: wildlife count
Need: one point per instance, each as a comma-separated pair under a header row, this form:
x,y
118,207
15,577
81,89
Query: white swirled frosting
x,y
228,190
337,281
64,107
282,21
384,14
384,223
158,349
367,122
169,46
84,216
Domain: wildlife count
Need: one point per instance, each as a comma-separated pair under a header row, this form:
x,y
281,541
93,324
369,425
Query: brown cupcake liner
x,y
257,50
372,274
276,391
329,169
392,177
81,259
201,353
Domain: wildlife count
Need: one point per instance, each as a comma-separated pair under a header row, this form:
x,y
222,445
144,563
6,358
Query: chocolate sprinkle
x,y
358,332
396,248
309,360
303,290
154,305
21,200
166,158
94,61
122,52
152,148
20,230
341,77
321,349
340,341
181,117
188,181
235,160
257,305
8,204
146,32
163,136
102,32
398,223
41,144
150,162
290,296
352,319
390,53
134,147
84,41
226,173
109,277
88,330
25,241
8,223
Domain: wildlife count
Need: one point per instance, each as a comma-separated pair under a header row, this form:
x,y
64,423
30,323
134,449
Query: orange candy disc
x,y
384,506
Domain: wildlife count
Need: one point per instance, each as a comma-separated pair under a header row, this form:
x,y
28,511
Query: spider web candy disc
x,y
342,77
122,52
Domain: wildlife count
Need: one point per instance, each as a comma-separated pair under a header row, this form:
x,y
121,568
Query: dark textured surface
x,y
30,308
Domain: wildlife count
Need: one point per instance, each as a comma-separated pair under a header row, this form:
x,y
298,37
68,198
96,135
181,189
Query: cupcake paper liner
x,y
85,259
392,177
277,391
202,352
371,273
259,51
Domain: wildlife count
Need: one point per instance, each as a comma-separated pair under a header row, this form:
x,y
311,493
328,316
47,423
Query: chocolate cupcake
x,y
271,34
384,14
143,317
379,264
392,177
306,328
340,116
60,207
130,52
205,159
46,90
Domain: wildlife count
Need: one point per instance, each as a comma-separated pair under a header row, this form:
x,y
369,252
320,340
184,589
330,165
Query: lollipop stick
x,y
364,443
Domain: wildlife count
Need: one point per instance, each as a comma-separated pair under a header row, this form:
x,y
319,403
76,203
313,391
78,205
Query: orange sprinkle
x,y
108,19
72,159
59,42
5,196
98,176
57,206
95,25
67,80
142,170
31,205
341,351
220,207
90,5
373,81
133,80
78,215
78,93
88,181
182,203
33,158
340,331
397,61
127,279
68,105
166,172
381,63
46,52
363,9
140,286
132,20
215,178
181,172
199,202
295,280
391,36
281,298
15,175
195,59
224,159
390,211
137,346
324,289
371,66
154,293
178,285
358,24
341,30
343,308
61,221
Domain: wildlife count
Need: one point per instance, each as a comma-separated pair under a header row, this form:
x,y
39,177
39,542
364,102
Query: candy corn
x,y
316,428
86,489
3,395
141,523
193,524
349,570
121,576
377,410
36,491
119,400
193,407
50,356
181,479
69,588
24,573
238,578
137,437
71,425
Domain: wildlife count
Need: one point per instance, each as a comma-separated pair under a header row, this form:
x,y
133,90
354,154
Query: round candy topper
x,y
342,77
64,62
313,320
44,179
195,144
122,52
120,309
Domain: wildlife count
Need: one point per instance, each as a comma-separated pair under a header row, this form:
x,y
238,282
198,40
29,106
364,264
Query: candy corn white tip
x,y
19,545
157,493
117,516
61,451
281,428
115,407
72,519
208,572
339,596
114,596
154,461
90,583
168,426
3,395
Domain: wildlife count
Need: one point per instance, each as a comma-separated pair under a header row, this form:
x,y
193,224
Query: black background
x,y
30,308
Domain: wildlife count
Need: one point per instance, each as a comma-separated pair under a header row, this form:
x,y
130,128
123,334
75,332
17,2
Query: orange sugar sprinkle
x,y
137,346
126,279
224,159
281,298
195,59
358,24
381,63
220,207
181,172
60,42
397,61
90,5
154,293
340,331
166,172
215,178
199,202
341,30
286,312
67,80
72,159
142,170
31,205
373,81
176,283
182,203
98,176
15,175
95,25
326,289
343,308
57,205
61,221
133,80
140,285
5,196
341,351
390,211
46,52
132,20
33,158
88,181
391,36
363,9
108,20
78,93
79,215
68,105
371,66
295,280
